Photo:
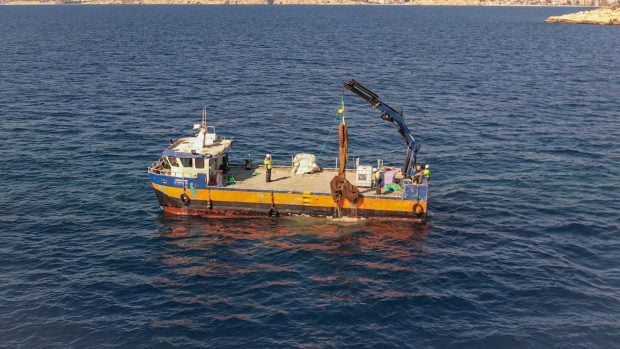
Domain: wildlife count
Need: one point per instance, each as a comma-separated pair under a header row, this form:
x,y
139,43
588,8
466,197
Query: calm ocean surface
x,y
519,120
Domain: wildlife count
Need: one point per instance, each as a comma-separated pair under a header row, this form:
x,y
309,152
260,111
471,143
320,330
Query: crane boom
x,y
392,115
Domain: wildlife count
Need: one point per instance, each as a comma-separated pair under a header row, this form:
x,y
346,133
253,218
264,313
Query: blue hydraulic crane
x,y
392,115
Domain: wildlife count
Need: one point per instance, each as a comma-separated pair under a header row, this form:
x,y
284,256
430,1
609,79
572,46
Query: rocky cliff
x,y
608,15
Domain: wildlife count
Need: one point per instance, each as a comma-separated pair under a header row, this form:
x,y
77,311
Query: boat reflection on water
x,y
226,247
250,272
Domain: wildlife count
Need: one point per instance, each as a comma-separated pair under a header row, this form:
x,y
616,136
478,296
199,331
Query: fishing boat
x,y
193,177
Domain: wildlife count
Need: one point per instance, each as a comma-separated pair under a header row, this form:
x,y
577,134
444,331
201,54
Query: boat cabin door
x,y
201,166
212,171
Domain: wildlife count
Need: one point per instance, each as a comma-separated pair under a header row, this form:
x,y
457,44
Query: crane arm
x,y
392,115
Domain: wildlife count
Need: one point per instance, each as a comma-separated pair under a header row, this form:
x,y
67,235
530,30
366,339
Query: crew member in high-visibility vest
x,y
427,172
268,167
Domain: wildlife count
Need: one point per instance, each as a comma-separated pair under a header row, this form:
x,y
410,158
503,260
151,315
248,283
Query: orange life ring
x,y
417,208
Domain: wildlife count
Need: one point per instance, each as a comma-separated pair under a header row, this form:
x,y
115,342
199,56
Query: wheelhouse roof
x,y
184,148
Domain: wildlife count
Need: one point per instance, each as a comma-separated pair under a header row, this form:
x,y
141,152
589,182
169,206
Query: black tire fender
x,y
185,199
273,212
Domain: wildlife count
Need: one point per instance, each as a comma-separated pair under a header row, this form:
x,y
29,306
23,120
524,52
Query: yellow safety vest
x,y
427,172
268,164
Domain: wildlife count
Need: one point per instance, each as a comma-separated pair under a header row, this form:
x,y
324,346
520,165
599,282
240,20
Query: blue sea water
x,y
518,119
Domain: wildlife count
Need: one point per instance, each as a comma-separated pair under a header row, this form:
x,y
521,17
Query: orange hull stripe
x,y
301,199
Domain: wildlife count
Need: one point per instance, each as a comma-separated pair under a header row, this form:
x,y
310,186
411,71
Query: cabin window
x,y
173,161
186,162
164,163
200,163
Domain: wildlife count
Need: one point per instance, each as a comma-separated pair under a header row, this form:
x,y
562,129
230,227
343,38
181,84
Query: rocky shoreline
x,y
600,16
516,3
248,2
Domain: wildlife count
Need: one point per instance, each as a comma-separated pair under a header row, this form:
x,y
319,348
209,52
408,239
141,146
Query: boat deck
x,y
282,179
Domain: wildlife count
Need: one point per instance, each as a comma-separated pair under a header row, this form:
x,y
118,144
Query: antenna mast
x,y
204,118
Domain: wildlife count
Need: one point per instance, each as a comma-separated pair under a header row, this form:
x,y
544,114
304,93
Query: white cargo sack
x,y
305,163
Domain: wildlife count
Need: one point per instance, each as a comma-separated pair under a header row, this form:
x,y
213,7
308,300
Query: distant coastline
x,y
600,16
550,3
